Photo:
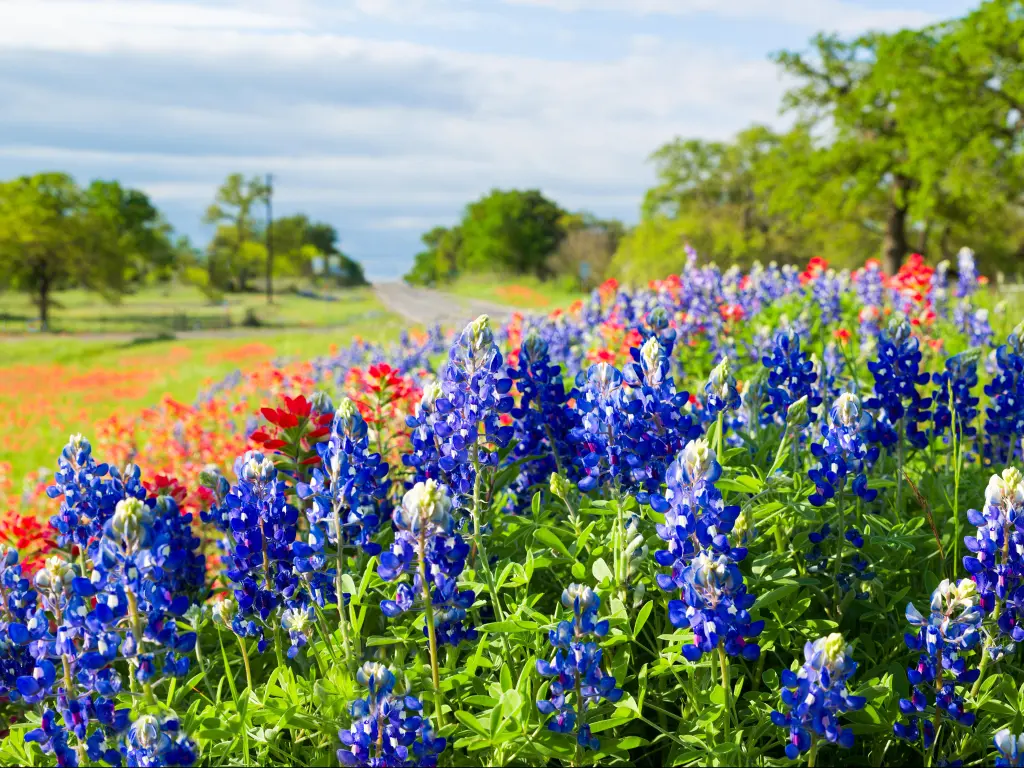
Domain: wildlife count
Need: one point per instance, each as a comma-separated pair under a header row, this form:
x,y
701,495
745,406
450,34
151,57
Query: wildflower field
x,y
762,518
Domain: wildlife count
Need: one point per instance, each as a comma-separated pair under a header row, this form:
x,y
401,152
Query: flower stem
x,y
899,470
813,754
245,660
841,507
136,623
718,437
428,609
339,594
723,662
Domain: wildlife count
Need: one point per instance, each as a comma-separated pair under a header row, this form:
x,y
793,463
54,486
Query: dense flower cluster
x,y
897,372
714,602
791,376
1004,427
816,695
954,396
843,451
943,637
457,426
387,729
579,682
427,546
997,560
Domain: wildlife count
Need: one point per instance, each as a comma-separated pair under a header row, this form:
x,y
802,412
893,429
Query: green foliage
x,y
911,141
54,233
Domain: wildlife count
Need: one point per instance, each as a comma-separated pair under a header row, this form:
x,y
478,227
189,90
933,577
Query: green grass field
x,y
51,387
182,308
521,292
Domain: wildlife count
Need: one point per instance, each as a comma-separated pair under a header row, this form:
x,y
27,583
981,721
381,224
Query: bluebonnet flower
x,y
714,601
653,426
943,637
349,491
475,394
955,387
870,284
89,491
967,270
791,376
973,323
827,290
715,605
597,402
52,737
938,289
1004,426
720,393
1011,748
576,667
387,729
843,451
898,374
263,527
997,560
816,695
426,545
543,420
154,741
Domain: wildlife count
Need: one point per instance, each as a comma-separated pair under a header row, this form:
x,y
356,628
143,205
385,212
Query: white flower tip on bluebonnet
x,y
846,409
950,596
321,402
130,517
899,328
1008,743
225,609
1005,492
650,356
965,254
427,502
255,466
374,675
697,458
297,620
431,392
835,650
942,267
56,576
580,592
481,337
346,409
721,379
145,731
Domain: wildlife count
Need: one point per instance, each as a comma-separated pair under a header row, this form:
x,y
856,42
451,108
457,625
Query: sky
x,y
386,117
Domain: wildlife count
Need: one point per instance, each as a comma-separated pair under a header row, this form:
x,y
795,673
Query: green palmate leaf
x,y
470,721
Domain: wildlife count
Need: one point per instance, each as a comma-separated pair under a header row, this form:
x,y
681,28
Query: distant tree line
x,y
903,142
516,232
56,235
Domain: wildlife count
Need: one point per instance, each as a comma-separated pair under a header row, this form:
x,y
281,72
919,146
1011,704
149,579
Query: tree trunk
x,y
44,303
894,245
922,239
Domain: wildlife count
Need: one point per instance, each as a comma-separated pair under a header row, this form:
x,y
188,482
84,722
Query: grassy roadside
x,y
50,388
520,292
181,308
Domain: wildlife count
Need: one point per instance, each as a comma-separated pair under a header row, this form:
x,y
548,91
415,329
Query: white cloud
x,y
385,137
833,15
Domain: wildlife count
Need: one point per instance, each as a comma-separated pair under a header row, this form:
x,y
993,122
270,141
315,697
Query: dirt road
x,y
428,307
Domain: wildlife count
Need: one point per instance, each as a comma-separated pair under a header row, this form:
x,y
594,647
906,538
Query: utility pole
x,y
270,239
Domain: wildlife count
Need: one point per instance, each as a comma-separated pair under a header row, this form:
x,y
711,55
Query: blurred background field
x,y
50,387
174,307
